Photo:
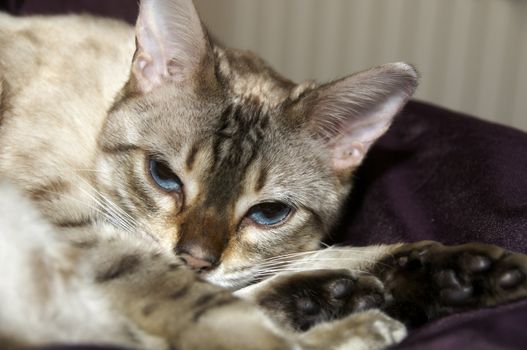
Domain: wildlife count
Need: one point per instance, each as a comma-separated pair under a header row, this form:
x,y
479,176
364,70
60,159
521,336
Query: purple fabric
x,y
443,176
485,329
435,175
448,177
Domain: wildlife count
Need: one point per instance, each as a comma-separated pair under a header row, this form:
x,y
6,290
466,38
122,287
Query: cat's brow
x,y
191,157
119,148
262,178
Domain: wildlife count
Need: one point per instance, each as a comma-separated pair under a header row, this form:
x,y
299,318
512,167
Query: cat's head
x,y
223,160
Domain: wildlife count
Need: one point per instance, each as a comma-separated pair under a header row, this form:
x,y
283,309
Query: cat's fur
x,y
83,110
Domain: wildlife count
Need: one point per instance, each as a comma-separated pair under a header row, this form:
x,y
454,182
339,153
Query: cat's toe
x,y
452,290
341,288
308,298
485,274
511,279
475,262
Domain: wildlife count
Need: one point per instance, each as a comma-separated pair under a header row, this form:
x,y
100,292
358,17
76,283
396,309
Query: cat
x,y
170,175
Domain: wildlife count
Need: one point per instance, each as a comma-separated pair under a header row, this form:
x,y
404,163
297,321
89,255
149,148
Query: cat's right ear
x,y
350,114
171,43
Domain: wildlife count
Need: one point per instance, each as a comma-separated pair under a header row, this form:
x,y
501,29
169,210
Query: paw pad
x,y
511,279
476,263
307,306
341,288
312,297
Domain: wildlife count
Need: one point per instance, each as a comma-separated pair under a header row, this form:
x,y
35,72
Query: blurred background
x,y
472,54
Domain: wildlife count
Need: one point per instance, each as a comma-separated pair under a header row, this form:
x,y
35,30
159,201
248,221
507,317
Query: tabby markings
x,y
119,148
49,191
209,302
73,223
125,266
179,293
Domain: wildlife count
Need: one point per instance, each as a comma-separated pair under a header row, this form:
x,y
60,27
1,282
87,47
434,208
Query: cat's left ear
x,y
350,114
171,43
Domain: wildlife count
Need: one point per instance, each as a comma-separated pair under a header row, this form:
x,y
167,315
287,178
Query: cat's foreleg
x,y
169,302
168,305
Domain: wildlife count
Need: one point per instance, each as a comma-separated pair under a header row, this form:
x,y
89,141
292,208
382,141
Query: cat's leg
x,y
367,330
158,303
302,299
167,301
413,282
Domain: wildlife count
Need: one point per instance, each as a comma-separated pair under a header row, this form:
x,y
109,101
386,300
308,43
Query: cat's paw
x,y
445,279
304,299
364,330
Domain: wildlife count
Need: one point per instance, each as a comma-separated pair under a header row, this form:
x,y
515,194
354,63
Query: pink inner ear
x,y
145,72
347,153
358,134
170,41
350,114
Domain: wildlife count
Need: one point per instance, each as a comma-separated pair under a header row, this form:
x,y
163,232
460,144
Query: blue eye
x,y
270,213
164,177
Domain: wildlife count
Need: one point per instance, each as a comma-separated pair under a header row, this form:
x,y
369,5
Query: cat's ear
x,y
171,43
350,114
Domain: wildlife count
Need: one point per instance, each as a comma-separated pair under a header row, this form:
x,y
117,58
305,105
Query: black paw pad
x,y
476,263
307,306
452,291
456,296
511,279
341,288
309,298
447,279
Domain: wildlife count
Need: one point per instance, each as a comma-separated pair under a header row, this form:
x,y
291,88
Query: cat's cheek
x,y
254,235
169,204
105,170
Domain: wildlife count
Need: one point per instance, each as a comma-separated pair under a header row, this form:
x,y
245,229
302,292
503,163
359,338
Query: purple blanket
x,y
448,177
435,175
443,176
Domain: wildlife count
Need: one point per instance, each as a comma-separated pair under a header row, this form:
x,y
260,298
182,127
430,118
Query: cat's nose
x,y
197,264
196,257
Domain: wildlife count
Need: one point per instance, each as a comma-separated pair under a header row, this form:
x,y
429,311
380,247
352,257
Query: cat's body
x,y
57,81
94,129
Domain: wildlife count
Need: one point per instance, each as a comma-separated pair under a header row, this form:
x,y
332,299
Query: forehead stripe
x,y
191,157
119,148
262,178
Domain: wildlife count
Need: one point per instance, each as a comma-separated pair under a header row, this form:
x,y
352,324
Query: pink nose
x,y
195,263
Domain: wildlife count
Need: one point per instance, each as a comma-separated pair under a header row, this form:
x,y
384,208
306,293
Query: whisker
x,y
317,260
348,250
96,209
277,271
118,213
